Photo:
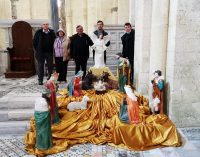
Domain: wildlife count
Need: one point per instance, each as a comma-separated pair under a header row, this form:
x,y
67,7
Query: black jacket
x,y
79,47
37,42
128,45
104,33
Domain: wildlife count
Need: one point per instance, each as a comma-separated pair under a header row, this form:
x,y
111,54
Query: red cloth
x,y
52,87
133,110
158,93
77,87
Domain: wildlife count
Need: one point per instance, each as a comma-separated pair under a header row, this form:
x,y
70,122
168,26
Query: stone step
x,y
23,102
14,127
3,115
20,114
16,115
91,63
72,67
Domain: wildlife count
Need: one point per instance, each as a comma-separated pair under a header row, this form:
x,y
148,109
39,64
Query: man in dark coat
x,y
43,43
98,32
79,49
128,40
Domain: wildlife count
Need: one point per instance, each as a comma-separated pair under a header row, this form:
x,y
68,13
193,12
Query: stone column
x,y
114,11
69,17
4,62
99,10
91,20
183,63
143,10
62,15
31,9
132,12
54,15
14,9
159,35
85,15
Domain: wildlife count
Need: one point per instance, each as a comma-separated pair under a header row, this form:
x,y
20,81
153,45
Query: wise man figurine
x,y
52,86
158,87
43,121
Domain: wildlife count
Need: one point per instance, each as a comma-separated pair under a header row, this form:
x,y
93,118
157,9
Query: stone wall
x,y
143,11
26,10
88,12
183,63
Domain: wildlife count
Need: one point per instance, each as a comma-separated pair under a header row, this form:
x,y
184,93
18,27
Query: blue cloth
x,y
70,88
123,114
161,84
71,84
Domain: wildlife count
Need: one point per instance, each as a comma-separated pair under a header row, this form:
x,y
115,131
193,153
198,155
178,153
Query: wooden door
x,y
22,54
22,46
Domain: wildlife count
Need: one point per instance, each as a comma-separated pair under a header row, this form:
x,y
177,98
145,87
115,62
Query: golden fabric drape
x,y
99,124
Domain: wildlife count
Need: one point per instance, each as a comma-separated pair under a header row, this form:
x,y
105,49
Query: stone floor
x,y
11,145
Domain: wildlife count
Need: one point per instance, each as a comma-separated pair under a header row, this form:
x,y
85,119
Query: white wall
x,y
183,62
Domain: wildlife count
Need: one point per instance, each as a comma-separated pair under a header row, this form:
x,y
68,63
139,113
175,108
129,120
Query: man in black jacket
x,y
98,32
79,49
128,40
43,43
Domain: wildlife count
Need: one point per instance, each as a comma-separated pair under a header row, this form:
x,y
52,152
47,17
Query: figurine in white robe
x,y
99,47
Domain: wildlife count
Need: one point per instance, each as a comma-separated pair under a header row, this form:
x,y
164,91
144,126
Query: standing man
x,y
128,40
43,43
79,49
98,32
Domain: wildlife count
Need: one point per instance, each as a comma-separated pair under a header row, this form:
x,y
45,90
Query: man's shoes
x,y
40,83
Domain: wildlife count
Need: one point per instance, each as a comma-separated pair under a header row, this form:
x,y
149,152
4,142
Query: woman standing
x,y
62,54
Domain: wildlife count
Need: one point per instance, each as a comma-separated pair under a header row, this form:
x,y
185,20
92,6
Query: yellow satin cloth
x,y
100,124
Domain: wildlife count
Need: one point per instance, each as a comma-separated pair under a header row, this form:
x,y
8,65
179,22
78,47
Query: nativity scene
x,y
98,110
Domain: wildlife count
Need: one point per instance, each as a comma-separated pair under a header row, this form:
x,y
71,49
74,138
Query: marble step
x,y
91,62
16,115
10,102
14,127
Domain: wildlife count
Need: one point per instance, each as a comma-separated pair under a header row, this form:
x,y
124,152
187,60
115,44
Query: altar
x,y
100,124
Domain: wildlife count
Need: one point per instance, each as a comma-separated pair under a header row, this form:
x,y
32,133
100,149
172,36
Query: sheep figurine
x,y
78,105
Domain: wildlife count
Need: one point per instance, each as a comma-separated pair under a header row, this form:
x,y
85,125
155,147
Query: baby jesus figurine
x,y
100,87
158,86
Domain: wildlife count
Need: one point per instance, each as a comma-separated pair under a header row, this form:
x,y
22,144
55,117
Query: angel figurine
x,y
99,47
